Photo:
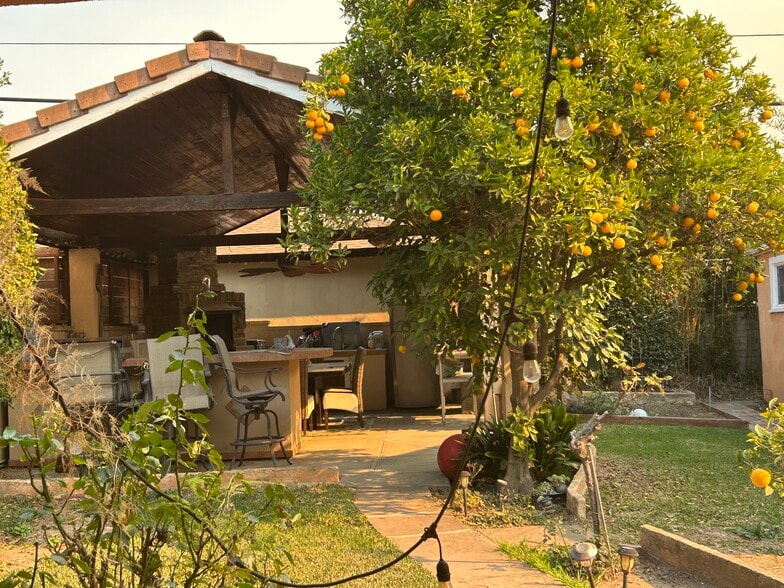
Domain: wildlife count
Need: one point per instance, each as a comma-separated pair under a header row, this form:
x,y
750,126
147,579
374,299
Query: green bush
x,y
547,442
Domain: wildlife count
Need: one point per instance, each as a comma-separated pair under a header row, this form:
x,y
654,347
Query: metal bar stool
x,y
254,405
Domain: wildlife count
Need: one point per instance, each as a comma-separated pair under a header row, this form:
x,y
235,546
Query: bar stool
x,y
254,405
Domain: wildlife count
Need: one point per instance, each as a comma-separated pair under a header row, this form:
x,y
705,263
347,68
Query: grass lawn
x,y
685,480
331,540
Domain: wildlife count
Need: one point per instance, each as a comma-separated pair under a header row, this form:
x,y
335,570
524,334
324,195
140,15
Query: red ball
x,y
450,454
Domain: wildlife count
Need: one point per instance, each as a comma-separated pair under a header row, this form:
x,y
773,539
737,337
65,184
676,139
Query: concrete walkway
x,y
391,464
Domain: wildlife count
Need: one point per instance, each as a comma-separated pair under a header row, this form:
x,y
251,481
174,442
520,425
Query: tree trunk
x,y
527,397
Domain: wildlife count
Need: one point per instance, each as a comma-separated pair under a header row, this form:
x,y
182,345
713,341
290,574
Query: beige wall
x,y
83,267
771,337
306,299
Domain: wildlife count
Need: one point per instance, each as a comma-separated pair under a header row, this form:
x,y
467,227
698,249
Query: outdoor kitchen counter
x,y
291,378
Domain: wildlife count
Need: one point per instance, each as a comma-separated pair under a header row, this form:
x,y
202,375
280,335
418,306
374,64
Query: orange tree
x,y
669,164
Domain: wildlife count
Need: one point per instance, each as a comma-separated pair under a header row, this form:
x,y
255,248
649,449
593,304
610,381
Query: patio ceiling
x,y
177,154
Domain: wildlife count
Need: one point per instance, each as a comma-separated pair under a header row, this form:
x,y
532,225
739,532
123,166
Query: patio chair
x,y
451,374
253,405
347,399
162,383
90,374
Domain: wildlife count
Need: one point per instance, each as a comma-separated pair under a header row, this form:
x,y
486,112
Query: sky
x,y
294,31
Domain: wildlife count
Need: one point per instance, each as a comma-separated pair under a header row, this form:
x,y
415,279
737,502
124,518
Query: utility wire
x,y
154,43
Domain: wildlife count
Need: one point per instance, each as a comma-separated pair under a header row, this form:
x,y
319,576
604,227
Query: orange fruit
x,y
661,241
656,260
554,51
760,477
318,136
652,234
651,131
760,279
714,196
739,134
738,243
737,296
615,129
568,228
589,163
566,61
340,92
742,285
735,144
586,251
683,83
619,243
698,126
593,125
319,121
752,207
577,62
631,165
653,49
459,91
712,213
767,114
401,348
322,130
591,6
576,250
311,124
697,227
517,92
619,203
687,222
436,215
664,95
709,73
330,127
752,277
332,93
659,267
675,207
344,79
607,228
597,218
522,131
639,86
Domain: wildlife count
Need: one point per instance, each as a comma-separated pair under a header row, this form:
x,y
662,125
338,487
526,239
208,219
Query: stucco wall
x,y
771,339
308,299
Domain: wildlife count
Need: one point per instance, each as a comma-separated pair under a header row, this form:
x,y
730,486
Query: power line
x,y
155,43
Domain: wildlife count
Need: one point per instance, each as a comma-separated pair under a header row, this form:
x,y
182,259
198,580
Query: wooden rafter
x,y
147,205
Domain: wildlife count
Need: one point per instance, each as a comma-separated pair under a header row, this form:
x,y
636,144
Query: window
x,y
54,284
776,265
122,294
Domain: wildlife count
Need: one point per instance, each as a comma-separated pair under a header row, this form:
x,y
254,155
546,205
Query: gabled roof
x,y
178,153
156,77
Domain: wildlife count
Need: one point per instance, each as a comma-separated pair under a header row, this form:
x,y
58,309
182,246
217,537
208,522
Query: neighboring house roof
x,y
139,162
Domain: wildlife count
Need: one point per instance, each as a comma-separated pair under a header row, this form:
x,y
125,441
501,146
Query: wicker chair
x,y
347,399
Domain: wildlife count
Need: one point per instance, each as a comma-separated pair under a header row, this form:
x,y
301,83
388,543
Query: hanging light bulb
x,y
531,371
442,574
563,124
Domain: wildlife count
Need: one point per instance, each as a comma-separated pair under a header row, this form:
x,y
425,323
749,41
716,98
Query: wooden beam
x,y
282,171
228,118
57,238
188,241
155,204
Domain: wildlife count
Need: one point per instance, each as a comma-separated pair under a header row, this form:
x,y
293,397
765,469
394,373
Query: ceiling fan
x,y
291,268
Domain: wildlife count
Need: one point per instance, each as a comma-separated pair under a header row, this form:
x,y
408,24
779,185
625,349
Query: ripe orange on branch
x,y
760,477
436,215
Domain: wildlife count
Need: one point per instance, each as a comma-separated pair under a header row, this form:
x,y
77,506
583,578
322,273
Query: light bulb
x,y
563,124
531,371
442,574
